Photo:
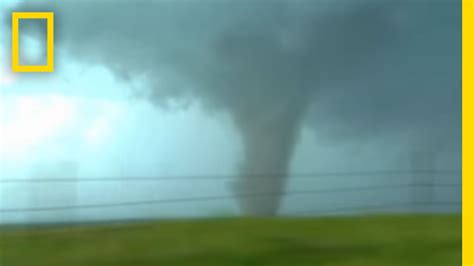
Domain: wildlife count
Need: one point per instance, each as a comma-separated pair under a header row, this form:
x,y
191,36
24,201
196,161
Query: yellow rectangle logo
x,y
16,17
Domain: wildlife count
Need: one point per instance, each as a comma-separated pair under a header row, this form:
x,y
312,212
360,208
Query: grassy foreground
x,y
361,241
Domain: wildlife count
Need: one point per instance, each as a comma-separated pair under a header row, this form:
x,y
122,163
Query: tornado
x,y
269,141
261,62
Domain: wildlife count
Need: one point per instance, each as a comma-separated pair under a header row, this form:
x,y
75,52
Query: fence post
x,y
423,166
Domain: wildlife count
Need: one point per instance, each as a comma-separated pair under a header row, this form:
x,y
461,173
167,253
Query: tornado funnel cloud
x,y
260,62
269,141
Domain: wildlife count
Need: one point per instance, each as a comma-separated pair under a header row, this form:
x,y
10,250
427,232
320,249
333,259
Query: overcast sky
x,y
163,88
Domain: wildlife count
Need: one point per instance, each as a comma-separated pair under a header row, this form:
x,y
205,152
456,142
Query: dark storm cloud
x,y
354,69
412,90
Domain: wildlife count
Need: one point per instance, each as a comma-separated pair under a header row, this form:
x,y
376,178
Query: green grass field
x,y
361,241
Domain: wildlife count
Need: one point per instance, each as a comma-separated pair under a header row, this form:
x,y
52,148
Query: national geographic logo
x,y
16,66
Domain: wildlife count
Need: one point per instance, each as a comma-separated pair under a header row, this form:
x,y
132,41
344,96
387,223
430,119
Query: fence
x,y
415,182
